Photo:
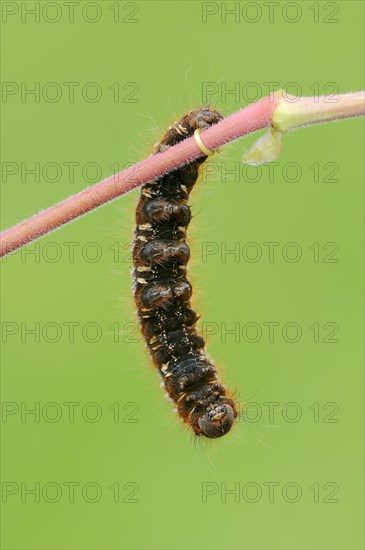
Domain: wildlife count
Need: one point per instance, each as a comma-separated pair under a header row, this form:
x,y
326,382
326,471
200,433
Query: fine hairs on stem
x,y
280,112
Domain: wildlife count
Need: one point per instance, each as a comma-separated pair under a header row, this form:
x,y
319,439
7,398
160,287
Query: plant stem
x,y
294,112
262,114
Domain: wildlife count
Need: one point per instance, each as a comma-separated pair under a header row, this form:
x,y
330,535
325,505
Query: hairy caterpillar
x,y
162,291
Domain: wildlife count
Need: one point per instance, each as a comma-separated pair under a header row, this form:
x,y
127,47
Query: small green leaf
x,y
266,149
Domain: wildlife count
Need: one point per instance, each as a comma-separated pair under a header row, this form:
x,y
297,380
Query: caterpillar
x,y
162,291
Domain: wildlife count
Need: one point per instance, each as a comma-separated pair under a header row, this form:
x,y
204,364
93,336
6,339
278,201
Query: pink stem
x,y
250,119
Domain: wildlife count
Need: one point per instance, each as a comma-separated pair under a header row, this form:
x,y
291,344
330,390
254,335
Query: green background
x,y
169,53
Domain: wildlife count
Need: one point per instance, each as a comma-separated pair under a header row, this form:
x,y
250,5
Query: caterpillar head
x,y
216,420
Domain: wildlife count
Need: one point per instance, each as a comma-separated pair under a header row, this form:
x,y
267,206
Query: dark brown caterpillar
x,y
162,291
